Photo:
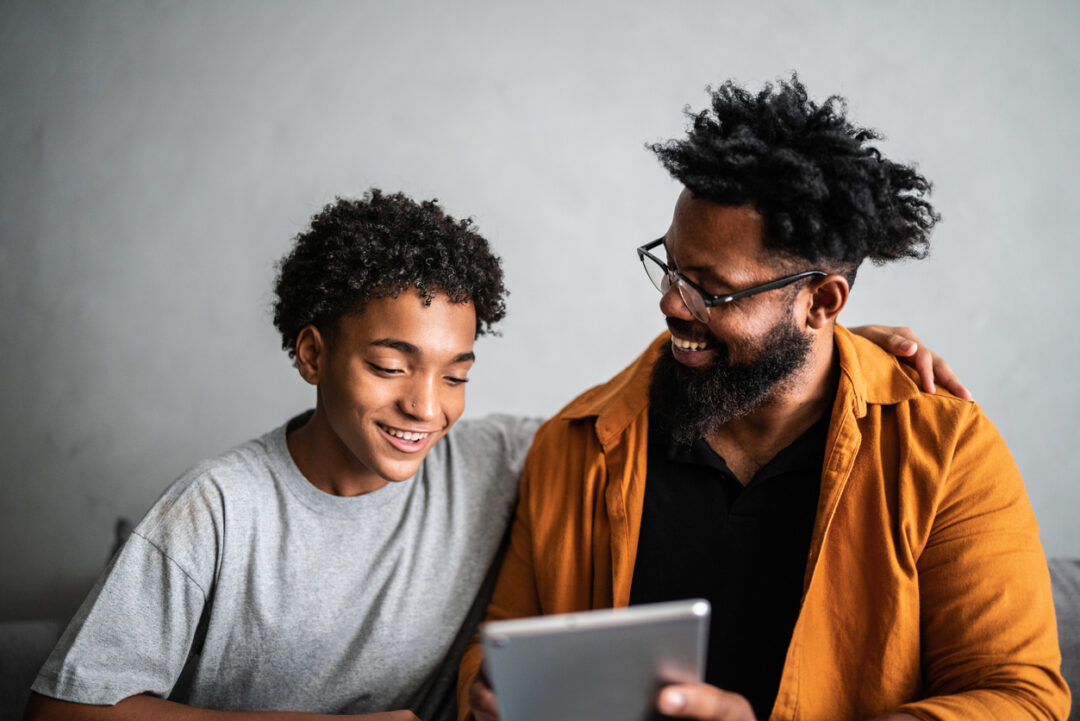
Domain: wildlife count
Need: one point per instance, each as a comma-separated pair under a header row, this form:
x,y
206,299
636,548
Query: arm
x,y
903,343
140,708
132,634
988,634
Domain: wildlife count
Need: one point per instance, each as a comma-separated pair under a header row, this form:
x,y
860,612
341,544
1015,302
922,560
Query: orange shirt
x,y
926,587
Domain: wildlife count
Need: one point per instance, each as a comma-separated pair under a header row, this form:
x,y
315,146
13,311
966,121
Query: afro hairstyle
x,y
826,194
383,245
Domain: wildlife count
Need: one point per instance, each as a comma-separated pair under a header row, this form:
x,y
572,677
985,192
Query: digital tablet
x,y
594,665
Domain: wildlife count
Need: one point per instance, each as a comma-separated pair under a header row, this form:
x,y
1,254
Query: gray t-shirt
x,y
247,588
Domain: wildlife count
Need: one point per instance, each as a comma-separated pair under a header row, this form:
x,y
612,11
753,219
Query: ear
x,y
311,351
829,296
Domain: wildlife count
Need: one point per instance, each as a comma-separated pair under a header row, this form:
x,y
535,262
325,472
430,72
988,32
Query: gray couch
x,y
25,644
1065,576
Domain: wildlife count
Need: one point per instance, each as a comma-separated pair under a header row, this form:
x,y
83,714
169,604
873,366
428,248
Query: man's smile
x,y
688,345
693,353
691,345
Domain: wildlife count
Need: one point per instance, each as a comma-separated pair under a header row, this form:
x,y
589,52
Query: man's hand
x,y
482,700
903,343
704,702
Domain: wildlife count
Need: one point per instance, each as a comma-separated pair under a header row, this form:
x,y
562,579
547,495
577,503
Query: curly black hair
x,y
825,193
380,245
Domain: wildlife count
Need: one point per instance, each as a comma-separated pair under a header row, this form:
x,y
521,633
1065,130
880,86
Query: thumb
x,y
704,702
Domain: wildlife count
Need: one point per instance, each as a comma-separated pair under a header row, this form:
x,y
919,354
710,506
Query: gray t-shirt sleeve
x,y
131,636
134,632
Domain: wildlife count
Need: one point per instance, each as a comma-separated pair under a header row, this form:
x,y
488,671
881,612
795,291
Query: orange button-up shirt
x,y
926,588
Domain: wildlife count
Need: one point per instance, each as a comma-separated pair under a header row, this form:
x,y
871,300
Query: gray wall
x,y
157,158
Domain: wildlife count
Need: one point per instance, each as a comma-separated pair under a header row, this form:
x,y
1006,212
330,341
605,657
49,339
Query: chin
x,y
398,473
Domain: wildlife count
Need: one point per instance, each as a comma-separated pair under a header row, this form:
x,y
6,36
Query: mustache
x,y
690,331
691,402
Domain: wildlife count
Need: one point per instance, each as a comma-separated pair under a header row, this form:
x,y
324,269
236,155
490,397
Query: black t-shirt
x,y
704,535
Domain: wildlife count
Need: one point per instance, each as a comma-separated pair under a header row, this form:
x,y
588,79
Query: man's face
x,y
714,372
393,381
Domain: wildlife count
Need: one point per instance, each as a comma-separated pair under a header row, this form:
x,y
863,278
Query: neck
x,y
749,442
326,462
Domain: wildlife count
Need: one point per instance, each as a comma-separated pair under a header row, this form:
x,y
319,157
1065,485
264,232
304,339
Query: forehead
x,y
705,234
438,328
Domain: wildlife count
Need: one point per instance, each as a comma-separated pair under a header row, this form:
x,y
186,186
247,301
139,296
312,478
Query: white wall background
x,y
157,157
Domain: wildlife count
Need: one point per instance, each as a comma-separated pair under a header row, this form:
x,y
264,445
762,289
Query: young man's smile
x,y
407,441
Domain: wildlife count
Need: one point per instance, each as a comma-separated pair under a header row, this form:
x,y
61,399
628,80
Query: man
x,y
867,547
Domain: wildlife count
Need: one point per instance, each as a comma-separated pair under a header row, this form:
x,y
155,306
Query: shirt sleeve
x,y
987,616
133,633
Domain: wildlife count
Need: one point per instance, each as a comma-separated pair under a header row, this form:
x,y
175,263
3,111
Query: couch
x,y
1065,577
25,644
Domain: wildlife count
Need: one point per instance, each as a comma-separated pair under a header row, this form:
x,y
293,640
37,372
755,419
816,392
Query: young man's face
x,y
391,381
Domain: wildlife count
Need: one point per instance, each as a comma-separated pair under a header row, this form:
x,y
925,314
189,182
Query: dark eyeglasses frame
x,y
709,299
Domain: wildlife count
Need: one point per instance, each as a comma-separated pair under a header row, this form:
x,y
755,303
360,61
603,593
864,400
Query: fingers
x,y
482,702
947,379
897,340
924,364
903,343
933,370
704,702
900,346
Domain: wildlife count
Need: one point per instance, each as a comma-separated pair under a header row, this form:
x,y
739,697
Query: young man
x,y
867,547
298,572
336,564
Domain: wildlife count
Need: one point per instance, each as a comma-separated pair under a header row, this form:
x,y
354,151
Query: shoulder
x,y
876,378
947,453
481,455
957,437
197,500
932,429
936,437
495,432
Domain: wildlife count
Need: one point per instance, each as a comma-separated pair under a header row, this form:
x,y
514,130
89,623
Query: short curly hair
x,y
825,193
380,245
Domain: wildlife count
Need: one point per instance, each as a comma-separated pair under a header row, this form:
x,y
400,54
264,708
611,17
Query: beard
x,y
691,402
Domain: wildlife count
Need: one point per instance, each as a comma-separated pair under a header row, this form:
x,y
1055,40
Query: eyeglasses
x,y
693,295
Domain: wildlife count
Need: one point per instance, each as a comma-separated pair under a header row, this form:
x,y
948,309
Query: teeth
x,y
683,344
405,435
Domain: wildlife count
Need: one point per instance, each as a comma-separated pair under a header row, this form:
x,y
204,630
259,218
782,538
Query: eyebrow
x,y
410,349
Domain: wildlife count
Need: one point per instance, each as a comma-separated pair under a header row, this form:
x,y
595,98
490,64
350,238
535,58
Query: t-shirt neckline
x,y
318,500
